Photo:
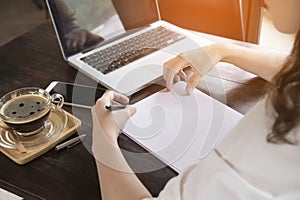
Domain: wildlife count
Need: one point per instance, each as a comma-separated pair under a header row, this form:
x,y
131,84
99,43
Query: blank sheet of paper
x,y
5,195
180,129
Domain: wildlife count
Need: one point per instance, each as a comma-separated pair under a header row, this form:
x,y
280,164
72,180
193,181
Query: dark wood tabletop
x,y
34,59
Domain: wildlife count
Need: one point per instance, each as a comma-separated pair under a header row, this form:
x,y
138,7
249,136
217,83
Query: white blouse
x,y
243,166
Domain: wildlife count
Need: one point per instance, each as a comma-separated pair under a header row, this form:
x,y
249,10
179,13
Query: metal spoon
x,y
18,143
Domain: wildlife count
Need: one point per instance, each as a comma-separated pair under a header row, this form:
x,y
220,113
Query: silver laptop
x,y
121,44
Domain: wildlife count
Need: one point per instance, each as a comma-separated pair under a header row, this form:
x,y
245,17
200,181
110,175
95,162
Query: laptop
x,y
120,44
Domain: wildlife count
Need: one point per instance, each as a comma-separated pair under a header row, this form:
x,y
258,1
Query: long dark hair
x,y
285,97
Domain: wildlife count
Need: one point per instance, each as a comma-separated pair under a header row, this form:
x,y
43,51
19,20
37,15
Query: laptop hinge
x,y
157,8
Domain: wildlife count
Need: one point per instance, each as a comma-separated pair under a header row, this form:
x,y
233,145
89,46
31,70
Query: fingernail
x,y
189,90
132,109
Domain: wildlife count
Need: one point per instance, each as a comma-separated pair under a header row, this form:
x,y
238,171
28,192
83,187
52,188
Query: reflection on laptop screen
x,y
82,24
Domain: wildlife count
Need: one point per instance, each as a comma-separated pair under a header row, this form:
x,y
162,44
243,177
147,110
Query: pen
x,y
70,142
115,107
75,105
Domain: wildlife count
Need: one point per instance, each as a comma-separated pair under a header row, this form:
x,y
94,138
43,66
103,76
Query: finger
x,y
110,96
176,64
104,101
172,67
189,74
120,98
82,39
176,78
68,42
106,98
73,44
99,39
186,73
188,70
122,116
182,74
131,110
168,75
192,82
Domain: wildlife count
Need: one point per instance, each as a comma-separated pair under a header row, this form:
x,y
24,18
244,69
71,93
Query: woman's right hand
x,y
107,125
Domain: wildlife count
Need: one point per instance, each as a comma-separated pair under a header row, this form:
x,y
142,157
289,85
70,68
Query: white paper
x,y
5,195
180,129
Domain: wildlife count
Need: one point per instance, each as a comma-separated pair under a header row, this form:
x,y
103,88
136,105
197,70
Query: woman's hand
x,y
107,125
117,180
190,66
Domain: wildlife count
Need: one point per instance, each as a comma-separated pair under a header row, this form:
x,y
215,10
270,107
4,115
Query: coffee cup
x,y
26,110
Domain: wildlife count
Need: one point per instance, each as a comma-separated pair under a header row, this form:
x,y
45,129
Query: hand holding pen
x,y
115,103
110,118
115,107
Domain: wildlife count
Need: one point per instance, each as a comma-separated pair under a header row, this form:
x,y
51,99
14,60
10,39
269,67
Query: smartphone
x,y
75,94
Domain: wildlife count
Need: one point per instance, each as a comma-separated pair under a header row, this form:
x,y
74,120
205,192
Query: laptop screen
x,y
83,24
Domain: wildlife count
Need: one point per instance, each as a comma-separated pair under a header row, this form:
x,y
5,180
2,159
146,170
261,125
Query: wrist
x,y
102,145
216,52
103,136
111,136
199,59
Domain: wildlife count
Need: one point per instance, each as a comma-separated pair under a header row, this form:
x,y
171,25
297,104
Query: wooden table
x,y
34,59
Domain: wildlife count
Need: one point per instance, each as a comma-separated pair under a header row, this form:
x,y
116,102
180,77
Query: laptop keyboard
x,y
120,54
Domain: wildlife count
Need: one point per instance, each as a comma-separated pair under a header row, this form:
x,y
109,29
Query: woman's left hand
x,y
191,66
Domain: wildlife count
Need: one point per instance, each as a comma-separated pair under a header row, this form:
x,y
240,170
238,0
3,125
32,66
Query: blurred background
x,y
20,16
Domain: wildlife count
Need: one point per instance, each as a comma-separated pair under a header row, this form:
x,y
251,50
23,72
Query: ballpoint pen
x,y
115,107
70,143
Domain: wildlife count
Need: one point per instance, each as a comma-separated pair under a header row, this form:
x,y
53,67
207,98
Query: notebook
x,y
179,129
120,44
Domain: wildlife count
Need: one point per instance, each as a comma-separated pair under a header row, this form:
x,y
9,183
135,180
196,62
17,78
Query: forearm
x,y
263,63
117,180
